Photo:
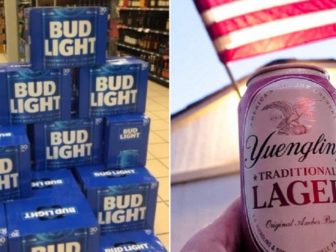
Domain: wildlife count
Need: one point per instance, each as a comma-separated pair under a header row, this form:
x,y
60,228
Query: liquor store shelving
x,y
144,3
144,32
156,78
138,49
143,9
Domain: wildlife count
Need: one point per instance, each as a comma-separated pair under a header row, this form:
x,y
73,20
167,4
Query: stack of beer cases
x,y
84,116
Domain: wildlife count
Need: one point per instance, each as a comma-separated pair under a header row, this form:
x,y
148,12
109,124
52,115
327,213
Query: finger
x,y
223,235
228,226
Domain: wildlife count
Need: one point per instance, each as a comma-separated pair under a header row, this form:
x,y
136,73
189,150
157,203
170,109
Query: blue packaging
x,y
75,94
15,174
55,183
64,144
3,230
123,200
118,87
134,241
57,224
67,37
126,141
30,96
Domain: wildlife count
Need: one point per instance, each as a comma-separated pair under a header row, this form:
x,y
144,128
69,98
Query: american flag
x,y
245,28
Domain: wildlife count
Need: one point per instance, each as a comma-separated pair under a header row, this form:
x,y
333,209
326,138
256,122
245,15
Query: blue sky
x,y
195,68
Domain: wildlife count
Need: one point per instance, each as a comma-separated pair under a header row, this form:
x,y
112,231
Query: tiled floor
x,y
3,58
158,154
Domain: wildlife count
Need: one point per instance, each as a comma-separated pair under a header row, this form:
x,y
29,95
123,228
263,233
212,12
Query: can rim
x,y
272,68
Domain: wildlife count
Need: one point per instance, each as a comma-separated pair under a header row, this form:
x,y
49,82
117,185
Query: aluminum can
x,y
287,126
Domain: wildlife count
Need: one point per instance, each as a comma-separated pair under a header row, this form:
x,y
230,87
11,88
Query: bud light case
x,y
55,183
3,230
57,224
117,87
126,141
64,144
15,168
32,96
133,241
67,37
75,94
123,200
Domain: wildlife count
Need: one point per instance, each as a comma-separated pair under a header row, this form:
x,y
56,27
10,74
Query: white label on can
x,y
290,168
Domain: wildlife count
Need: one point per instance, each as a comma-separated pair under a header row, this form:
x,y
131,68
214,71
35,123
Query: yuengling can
x,y
287,124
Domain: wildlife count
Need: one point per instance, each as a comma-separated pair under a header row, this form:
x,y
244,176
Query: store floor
x,y
3,58
158,154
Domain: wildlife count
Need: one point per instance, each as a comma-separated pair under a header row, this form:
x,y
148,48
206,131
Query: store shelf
x,y
143,9
143,30
137,49
25,2
159,79
143,33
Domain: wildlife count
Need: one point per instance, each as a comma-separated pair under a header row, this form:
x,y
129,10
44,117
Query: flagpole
x,y
233,82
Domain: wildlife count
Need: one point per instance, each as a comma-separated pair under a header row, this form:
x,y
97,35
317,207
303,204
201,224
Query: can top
x,y
279,69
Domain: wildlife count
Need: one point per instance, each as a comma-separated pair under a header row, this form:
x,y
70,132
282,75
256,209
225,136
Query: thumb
x,y
223,235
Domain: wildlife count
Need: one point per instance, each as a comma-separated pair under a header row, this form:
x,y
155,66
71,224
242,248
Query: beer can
x,y
287,125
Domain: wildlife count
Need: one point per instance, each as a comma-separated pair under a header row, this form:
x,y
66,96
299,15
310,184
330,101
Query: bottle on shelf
x,y
123,3
152,3
165,70
129,19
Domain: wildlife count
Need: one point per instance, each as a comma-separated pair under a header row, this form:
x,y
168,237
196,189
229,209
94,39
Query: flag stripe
x,y
204,5
278,43
275,28
219,29
238,8
246,28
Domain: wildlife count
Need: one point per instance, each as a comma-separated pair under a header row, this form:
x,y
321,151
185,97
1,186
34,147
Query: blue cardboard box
x,y
31,96
75,94
117,87
3,230
123,200
52,224
64,144
67,37
133,241
54,183
15,167
126,141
